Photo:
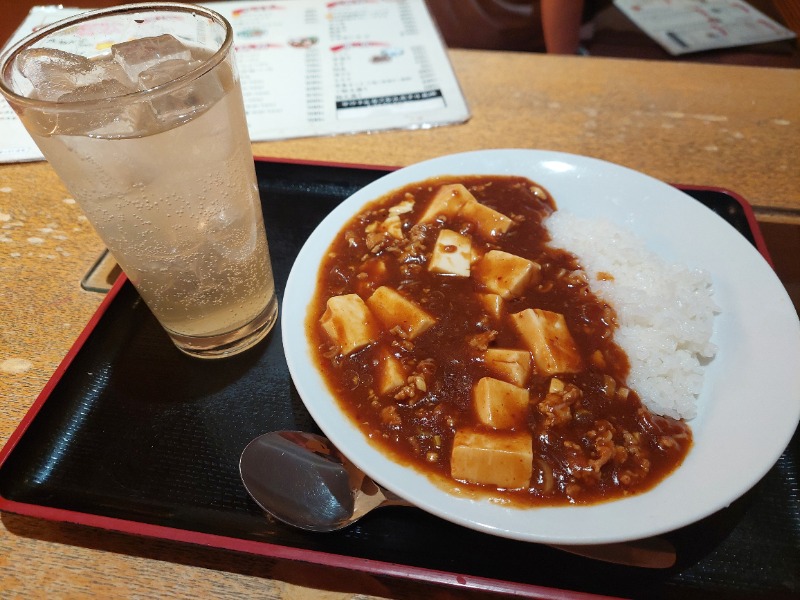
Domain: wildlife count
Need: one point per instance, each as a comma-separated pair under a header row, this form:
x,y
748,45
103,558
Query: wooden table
x,y
732,127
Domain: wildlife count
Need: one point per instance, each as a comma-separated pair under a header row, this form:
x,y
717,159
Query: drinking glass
x,y
139,110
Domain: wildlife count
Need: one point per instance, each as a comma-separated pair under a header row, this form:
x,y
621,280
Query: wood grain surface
x,y
727,126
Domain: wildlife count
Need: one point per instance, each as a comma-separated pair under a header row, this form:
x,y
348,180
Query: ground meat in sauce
x,y
590,436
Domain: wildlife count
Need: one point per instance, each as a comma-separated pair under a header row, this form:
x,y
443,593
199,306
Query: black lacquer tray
x,y
131,435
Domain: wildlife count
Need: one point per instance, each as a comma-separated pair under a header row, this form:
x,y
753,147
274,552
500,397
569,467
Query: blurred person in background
x,y
522,25
561,25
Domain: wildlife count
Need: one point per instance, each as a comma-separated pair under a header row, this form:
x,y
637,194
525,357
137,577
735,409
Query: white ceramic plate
x,y
750,404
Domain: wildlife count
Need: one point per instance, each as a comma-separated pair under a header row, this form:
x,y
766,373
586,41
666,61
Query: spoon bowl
x,y
301,479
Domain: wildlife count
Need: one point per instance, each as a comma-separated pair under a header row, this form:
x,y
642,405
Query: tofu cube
x,y
506,275
502,459
349,323
492,303
489,223
499,404
556,386
391,373
546,335
452,254
401,208
447,201
513,366
393,224
394,310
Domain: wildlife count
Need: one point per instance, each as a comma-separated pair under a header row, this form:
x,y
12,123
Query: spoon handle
x,y
392,499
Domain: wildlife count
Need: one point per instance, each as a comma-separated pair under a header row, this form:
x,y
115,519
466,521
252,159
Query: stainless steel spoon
x,y
301,479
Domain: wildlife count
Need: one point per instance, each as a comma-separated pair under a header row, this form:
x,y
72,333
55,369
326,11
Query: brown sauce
x,y
591,441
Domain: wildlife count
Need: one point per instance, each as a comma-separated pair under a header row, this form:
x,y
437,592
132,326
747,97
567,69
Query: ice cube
x,y
52,72
107,88
128,119
139,55
237,242
106,68
125,121
195,97
133,120
37,64
165,72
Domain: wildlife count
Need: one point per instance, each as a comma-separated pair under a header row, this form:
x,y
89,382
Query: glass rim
x,y
8,57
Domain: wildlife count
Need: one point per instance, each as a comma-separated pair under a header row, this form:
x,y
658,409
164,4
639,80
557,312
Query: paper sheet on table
x,y
685,26
315,68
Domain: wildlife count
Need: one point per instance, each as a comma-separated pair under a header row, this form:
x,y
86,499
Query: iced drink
x,y
151,139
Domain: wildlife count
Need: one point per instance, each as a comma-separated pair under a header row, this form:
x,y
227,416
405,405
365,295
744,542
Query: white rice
x,y
665,312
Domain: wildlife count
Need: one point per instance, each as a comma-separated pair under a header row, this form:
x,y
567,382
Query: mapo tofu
x,y
466,347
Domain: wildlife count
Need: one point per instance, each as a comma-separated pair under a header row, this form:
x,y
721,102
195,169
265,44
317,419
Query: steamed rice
x,y
665,312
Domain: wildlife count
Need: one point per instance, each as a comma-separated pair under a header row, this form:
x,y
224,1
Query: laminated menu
x,y
685,26
315,68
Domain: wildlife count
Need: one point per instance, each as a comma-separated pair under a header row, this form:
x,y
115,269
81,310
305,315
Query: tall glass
x,y
139,110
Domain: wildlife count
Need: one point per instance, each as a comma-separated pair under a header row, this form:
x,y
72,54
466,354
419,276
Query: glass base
x,y
233,342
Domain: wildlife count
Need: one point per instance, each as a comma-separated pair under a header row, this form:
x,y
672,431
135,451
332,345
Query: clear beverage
x,y
166,177
179,209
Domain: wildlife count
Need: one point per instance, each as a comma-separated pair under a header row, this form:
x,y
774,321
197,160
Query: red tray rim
x,y
266,549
